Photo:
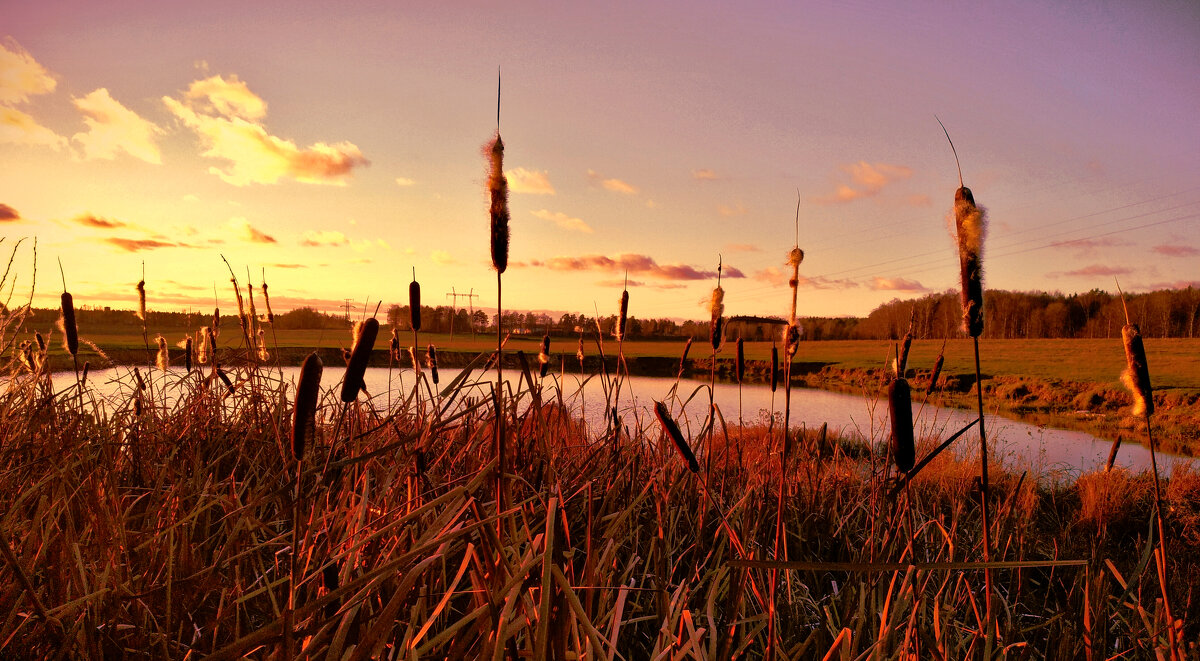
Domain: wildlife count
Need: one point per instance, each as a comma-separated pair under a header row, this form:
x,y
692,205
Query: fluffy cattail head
x,y
970,222
672,430
431,363
414,304
1136,376
579,352
163,361
202,352
795,256
416,364
544,356
67,322
267,302
262,346
900,407
791,339
498,191
304,413
623,316
364,341
394,345
141,290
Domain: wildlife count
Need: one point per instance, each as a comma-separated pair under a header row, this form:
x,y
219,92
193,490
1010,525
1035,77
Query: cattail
x,y
163,361
356,367
544,356
203,348
672,430
394,345
187,353
267,301
67,322
41,342
902,359
687,347
740,363
937,371
253,315
216,324
971,225
137,375
304,414
346,355
225,379
498,188
431,362
212,344
1136,376
579,352
262,346
412,355
623,317
25,353
900,409
774,367
87,366
791,339
794,258
414,303
141,311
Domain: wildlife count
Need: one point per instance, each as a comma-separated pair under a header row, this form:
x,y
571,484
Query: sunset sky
x,y
340,146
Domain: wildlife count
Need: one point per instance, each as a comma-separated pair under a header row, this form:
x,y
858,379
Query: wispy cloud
x,y
704,174
324,238
620,283
21,77
92,220
113,128
18,128
866,180
612,184
778,277
288,266
139,245
897,284
1176,250
1087,247
244,231
563,220
8,214
730,211
441,257
637,264
225,120
1093,271
530,182
405,182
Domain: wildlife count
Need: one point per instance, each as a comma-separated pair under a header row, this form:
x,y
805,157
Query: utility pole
x,y
454,296
347,306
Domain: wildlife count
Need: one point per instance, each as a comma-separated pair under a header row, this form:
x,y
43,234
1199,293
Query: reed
x,y
498,214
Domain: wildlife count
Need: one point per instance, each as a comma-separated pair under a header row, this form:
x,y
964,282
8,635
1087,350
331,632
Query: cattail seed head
x,y
672,430
970,223
67,322
216,324
498,191
267,302
774,367
900,409
202,350
225,379
141,291
414,304
579,352
304,413
253,310
544,356
416,364
163,361
791,339
740,363
623,317
394,345
1136,376
262,346
431,363
902,360
356,367
687,348
137,375
937,371
41,341
187,353
795,256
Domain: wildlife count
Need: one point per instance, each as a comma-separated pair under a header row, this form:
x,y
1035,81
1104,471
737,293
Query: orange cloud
x,y
897,284
563,220
8,214
324,238
18,128
614,185
633,263
731,211
138,245
867,180
1095,271
704,174
91,220
244,231
113,128
530,182
1173,250
223,117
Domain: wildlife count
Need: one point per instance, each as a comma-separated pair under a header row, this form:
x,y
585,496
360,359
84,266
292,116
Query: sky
x,y
335,147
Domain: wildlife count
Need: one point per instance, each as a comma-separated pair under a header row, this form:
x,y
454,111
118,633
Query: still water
x,y
1054,454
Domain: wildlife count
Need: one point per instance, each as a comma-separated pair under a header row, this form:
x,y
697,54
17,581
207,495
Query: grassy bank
x,y
142,530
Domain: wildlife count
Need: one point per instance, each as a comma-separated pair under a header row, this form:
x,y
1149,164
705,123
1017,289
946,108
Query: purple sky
x,y
340,146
